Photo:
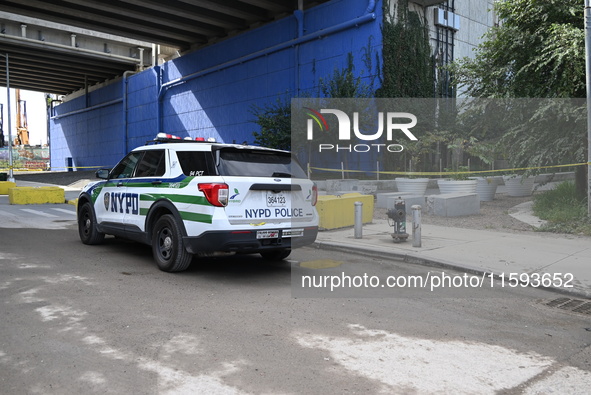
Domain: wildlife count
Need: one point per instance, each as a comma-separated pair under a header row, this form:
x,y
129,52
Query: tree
x,y
274,120
537,51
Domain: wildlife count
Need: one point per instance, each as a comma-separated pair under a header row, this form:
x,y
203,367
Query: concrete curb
x,y
428,262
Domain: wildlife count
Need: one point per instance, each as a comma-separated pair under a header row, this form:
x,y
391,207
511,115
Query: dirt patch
x,y
493,216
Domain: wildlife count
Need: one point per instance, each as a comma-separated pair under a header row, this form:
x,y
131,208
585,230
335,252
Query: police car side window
x,y
151,165
196,163
125,168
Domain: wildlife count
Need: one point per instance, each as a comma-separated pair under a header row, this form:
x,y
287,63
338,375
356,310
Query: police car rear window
x,y
255,163
196,163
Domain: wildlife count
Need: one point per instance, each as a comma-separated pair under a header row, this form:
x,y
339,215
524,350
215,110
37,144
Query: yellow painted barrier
x,y
339,211
5,186
36,195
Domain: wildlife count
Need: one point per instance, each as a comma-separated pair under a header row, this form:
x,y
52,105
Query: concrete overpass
x,y
68,45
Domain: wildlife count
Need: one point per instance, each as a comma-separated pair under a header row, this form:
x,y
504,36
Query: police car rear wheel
x,y
276,255
167,245
87,230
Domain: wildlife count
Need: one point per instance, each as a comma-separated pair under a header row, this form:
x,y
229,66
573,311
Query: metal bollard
x,y
358,220
416,226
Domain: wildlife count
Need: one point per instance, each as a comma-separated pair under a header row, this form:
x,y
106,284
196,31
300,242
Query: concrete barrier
x,y
5,186
339,211
453,204
387,185
383,197
36,195
350,185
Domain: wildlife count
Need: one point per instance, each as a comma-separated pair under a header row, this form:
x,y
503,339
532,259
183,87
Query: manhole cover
x,y
581,306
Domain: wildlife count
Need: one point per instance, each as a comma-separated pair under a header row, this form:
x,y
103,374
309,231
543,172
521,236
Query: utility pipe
x,y
125,112
105,104
10,159
299,16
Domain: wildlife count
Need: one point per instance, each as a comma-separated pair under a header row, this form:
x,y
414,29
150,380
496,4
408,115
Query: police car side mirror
x,y
103,173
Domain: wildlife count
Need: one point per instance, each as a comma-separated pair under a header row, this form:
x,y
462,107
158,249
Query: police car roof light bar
x,y
170,138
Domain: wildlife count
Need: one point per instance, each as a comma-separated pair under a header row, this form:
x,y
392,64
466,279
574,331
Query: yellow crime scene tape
x,y
24,169
447,173
408,173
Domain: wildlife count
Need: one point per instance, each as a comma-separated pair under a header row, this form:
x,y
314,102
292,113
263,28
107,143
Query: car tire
x,y
276,255
167,245
87,227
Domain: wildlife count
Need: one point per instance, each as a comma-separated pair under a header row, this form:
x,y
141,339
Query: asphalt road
x,y
103,319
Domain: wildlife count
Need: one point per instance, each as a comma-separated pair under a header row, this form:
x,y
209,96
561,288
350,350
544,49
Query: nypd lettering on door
x,y
127,203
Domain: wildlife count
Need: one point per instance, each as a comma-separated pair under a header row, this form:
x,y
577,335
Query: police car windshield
x,y
258,163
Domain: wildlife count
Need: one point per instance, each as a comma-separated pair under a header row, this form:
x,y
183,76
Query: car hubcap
x,y
86,223
165,244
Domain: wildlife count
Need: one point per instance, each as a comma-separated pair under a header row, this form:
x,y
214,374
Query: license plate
x,y
293,233
279,199
267,234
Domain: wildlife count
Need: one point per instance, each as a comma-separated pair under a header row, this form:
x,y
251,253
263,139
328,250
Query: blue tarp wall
x,y
211,92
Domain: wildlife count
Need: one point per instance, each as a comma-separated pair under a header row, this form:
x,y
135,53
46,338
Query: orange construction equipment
x,y
22,132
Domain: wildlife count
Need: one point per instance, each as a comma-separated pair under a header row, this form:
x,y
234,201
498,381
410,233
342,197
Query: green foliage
x,y
408,68
563,209
550,132
459,174
528,133
538,50
344,84
274,120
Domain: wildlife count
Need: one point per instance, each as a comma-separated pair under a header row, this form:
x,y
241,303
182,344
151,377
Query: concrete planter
x,y
519,186
415,186
486,187
447,185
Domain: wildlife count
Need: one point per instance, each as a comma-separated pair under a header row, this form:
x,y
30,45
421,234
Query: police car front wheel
x,y
167,245
87,228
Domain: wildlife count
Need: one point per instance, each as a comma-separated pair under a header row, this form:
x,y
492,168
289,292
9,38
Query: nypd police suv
x,y
196,197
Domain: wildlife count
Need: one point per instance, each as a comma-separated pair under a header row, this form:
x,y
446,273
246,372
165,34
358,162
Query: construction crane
x,y
22,132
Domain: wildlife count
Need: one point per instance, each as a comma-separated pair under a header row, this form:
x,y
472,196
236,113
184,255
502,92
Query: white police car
x,y
188,198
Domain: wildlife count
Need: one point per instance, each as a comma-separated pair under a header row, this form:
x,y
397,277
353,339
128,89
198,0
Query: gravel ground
x,y
493,216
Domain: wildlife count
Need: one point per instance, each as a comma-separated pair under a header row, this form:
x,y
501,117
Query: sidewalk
x,y
476,251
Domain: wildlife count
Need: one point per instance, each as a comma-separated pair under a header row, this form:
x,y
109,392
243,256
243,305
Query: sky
x,y
36,115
